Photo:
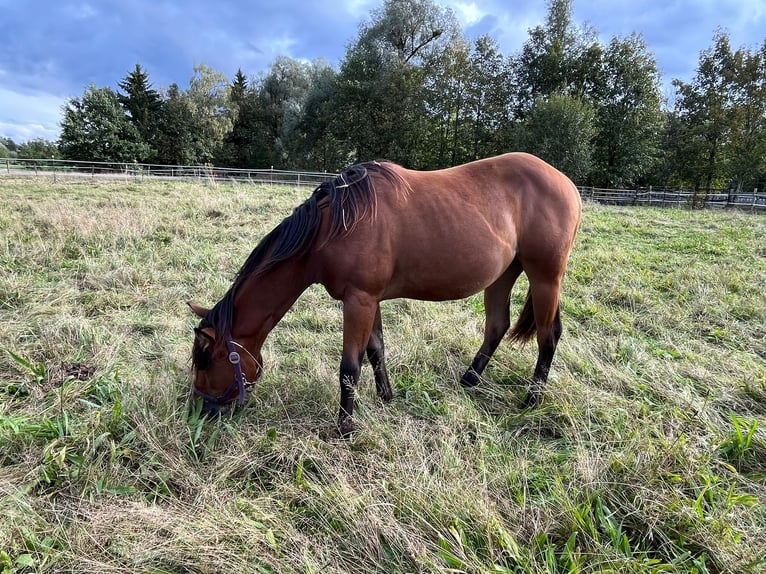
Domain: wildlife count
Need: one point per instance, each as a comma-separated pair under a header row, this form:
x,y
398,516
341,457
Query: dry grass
x,y
648,454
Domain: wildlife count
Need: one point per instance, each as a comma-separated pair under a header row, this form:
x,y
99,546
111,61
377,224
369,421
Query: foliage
x,y
629,114
176,130
142,104
38,149
210,117
95,128
560,130
7,147
719,120
558,58
646,456
379,109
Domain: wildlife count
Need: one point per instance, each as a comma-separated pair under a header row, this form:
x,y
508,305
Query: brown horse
x,y
379,231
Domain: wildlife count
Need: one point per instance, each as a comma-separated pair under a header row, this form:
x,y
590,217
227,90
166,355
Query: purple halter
x,y
240,383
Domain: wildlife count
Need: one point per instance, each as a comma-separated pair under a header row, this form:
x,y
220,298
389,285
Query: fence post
x,y
8,165
755,198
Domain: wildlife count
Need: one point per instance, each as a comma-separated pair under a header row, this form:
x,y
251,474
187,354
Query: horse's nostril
x,y
211,407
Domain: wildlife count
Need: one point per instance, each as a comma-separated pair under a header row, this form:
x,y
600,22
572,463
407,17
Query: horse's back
x,y
511,198
449,233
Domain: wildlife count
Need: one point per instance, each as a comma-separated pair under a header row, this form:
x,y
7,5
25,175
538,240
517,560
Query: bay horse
x,y
379,231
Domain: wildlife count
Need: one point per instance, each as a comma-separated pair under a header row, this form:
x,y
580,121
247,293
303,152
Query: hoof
x,y
385,393
532,400
346,427
470,379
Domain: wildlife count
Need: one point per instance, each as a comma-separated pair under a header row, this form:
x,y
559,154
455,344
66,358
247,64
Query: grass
x,y
647,455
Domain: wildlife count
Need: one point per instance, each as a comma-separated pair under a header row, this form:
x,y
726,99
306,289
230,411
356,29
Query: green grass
x,y
647,455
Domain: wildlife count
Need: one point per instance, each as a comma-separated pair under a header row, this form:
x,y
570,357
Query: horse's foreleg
x,y
376,356
498,321
358,317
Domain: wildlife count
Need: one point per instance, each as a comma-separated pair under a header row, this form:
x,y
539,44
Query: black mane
x,y
349,199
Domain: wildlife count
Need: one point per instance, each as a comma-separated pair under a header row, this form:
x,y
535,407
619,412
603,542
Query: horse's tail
x,y
525,326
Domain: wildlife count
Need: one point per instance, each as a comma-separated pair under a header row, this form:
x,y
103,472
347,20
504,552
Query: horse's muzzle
x,y
211,407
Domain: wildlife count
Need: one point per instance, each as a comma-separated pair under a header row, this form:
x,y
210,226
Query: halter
x,y
240,383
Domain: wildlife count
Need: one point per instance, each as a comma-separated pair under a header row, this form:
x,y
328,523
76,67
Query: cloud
x,y
30,115
53,49
468,14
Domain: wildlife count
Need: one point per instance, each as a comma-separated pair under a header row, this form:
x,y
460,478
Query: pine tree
x,y
143,105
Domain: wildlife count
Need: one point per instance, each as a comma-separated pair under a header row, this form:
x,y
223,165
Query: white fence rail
x,y
62,168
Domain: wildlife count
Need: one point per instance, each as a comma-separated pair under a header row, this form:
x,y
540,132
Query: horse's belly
x,y
445,278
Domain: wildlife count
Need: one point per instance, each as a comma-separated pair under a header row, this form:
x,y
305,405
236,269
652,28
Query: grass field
x,y
648,453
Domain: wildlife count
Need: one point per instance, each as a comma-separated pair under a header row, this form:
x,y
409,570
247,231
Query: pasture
x,y
648,453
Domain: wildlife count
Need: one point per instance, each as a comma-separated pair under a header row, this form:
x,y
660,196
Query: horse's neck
x,y
262,301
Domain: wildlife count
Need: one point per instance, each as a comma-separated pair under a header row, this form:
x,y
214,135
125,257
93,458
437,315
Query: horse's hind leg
x,y
497,308
545,301
376,355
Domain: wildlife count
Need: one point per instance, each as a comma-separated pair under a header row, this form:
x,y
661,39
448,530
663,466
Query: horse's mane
x,y
349,199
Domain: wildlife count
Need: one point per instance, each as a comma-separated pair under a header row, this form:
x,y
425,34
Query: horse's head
x,y
223,368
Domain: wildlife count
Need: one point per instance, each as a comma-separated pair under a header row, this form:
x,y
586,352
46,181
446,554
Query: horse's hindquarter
x,y
456,230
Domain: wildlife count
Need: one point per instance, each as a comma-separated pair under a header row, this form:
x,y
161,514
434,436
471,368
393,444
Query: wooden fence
x,y
680,198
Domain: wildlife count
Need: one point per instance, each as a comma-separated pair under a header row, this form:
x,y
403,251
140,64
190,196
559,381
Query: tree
x,y
704,118
489,98
175,130
717,134
409,30
4,148
747,158
281,95
446,79
143,105
316,145
95,128
210,116
629,116
38,149
558,58
560,130
8,147
235,151
379,109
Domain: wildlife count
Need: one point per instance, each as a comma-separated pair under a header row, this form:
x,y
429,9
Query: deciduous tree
x,y
560,130
558,58
628,104
95,128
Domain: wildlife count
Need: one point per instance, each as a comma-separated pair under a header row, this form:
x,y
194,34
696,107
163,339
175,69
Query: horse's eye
x,y
201,356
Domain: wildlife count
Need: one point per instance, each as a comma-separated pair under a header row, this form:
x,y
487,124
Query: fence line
x,y
679,198
78,169
663,197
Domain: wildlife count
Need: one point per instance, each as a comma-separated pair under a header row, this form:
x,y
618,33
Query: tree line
x,y
411,88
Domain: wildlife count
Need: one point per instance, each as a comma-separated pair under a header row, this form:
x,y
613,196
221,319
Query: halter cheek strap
x,y
239,376
240,383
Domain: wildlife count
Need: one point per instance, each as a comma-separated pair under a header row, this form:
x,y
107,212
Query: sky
x,y
52,50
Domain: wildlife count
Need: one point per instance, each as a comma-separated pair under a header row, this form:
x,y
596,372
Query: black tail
x,y
525,326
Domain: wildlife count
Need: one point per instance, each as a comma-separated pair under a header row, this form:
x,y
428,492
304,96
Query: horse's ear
x,y
203,339
200,312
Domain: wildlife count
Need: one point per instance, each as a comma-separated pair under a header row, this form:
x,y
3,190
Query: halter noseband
x,y
240,383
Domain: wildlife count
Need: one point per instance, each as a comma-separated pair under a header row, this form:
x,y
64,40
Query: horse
x,y
380,231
